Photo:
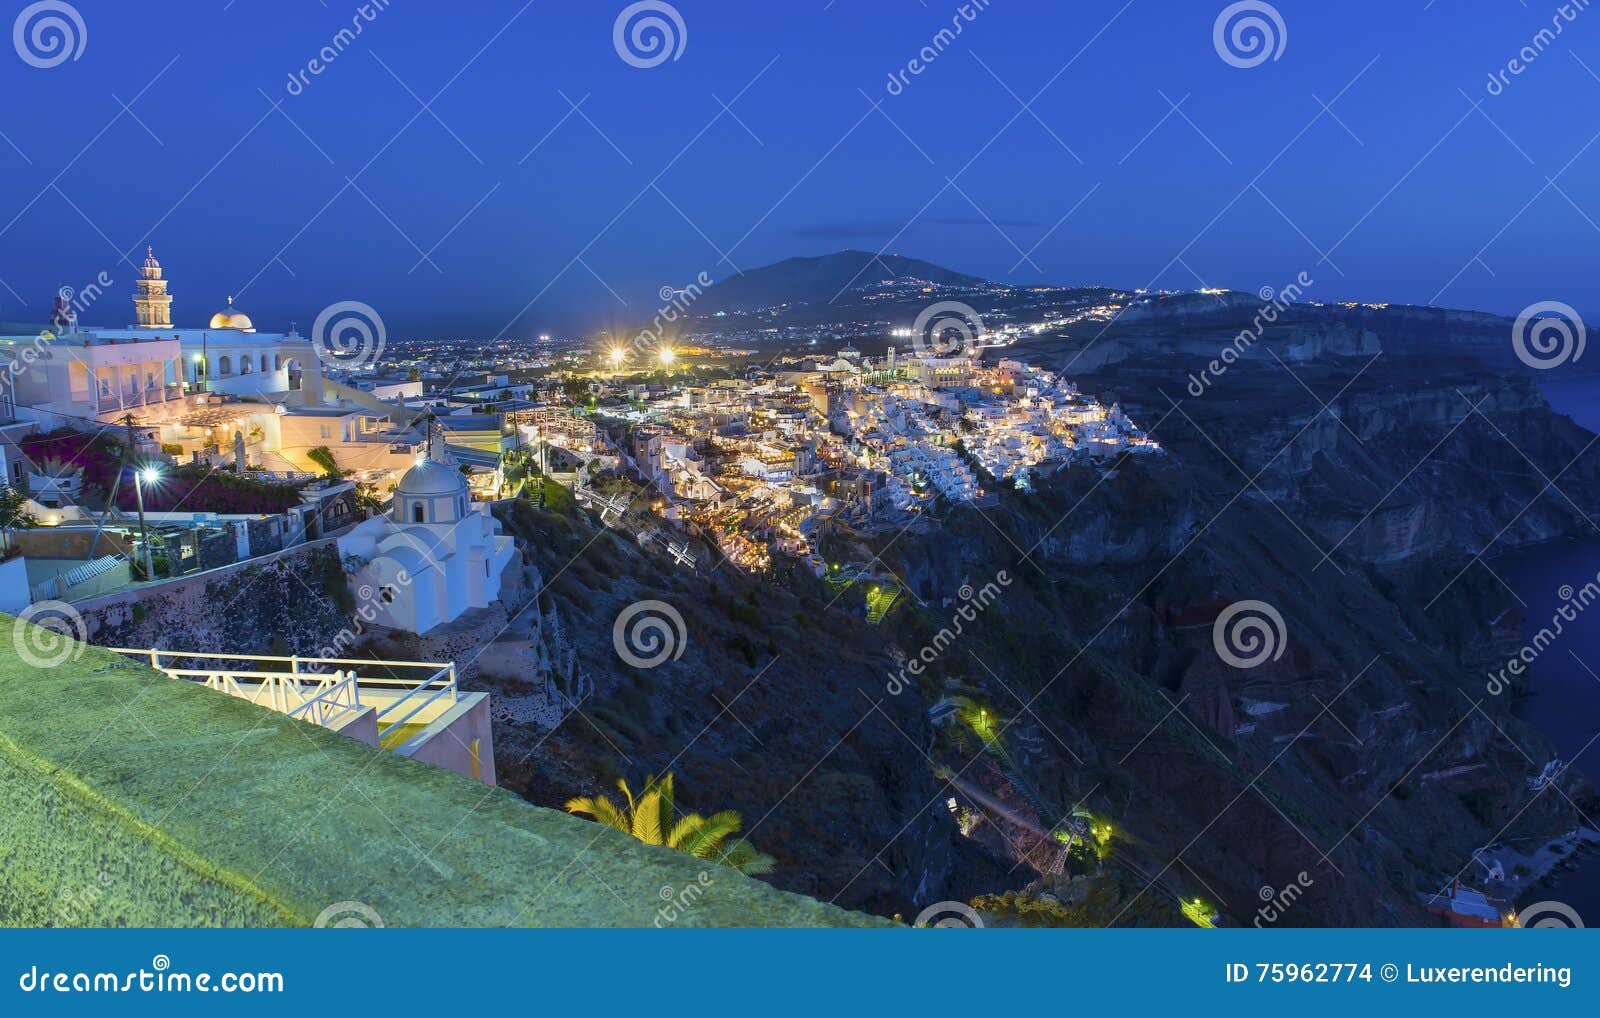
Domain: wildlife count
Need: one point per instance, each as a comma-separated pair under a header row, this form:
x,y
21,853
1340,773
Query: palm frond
x,y
706,842
603,810
744,857
647,818
683,830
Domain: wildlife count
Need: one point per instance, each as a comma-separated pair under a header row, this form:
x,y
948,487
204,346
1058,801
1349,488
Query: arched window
x,y
277,362
244,364
224,365
416,513
263,362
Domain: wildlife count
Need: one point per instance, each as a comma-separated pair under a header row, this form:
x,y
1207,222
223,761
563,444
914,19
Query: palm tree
x,y
651,817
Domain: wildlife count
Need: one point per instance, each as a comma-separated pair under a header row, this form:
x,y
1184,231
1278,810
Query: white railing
x,y
441,684
58,587
308,690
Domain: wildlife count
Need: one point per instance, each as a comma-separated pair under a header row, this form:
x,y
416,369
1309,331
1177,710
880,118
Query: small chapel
x,y
435,556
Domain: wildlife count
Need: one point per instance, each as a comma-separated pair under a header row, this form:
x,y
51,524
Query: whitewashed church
x,y
435,556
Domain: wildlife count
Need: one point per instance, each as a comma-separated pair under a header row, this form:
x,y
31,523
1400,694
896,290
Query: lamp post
x,y
141,477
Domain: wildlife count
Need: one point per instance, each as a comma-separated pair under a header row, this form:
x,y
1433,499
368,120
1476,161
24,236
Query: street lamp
x,y
617,355
668,355
142,477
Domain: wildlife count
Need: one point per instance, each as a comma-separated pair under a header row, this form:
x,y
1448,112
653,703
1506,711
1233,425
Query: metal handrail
x,y
218,655
348,684
448,673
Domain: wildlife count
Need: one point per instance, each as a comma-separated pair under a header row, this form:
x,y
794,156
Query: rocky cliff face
x,y
1358,494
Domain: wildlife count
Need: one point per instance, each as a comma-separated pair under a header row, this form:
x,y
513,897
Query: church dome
x,y
232,318
431,477
433,491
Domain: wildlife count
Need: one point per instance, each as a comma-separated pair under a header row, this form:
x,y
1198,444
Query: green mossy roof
x,y
289,818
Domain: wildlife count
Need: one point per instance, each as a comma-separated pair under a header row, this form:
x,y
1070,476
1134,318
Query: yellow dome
x,y
232,318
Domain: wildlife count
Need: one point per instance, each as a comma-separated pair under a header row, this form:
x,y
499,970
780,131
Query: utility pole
x,y
138,494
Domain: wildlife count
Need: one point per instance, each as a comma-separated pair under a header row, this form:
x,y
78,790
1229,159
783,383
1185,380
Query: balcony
x,y
359,698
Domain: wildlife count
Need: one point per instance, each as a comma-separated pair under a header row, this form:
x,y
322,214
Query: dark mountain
x,y
803,280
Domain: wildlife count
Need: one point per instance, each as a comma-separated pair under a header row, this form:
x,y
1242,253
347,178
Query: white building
x,y
437,555
227,356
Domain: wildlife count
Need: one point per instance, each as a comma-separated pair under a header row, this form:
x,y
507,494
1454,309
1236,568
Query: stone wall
x,y
290,603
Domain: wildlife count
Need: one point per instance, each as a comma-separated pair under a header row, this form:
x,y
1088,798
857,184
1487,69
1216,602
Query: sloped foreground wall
x,y
131,799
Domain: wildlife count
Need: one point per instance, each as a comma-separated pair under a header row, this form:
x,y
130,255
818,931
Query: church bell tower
x,y
152,304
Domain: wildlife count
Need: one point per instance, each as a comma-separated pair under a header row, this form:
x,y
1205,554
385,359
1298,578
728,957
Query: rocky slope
x,y
1345,485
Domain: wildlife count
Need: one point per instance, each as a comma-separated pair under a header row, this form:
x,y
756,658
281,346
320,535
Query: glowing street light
x,y
618,355
668,355
142,477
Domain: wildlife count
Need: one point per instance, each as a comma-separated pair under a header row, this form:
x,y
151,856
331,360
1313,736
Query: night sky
x,y
535,218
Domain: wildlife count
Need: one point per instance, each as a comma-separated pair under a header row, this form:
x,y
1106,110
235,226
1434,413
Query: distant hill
x,y
797,280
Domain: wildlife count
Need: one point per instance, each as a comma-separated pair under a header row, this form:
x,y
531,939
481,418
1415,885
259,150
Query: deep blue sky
x,y
230,184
